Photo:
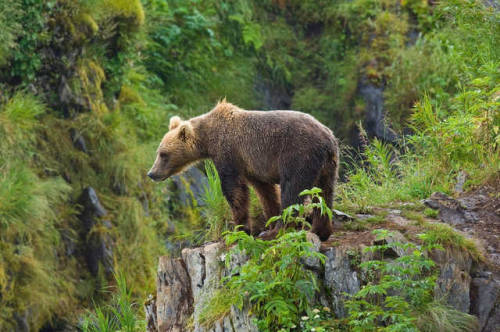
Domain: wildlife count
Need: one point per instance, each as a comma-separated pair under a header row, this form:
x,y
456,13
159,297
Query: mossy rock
x,y
130,10
86,84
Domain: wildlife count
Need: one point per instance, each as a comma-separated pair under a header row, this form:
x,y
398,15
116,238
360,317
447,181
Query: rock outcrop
x,y
98,248
186,284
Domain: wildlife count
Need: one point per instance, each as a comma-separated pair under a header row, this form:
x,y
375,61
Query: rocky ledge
x,y
185,284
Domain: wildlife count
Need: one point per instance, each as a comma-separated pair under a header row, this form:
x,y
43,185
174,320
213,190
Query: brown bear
x,y
260,148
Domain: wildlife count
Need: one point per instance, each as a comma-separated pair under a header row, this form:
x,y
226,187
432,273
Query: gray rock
x,y
395,251
341,216
312,263
190,186
493,322
151,315
78,140
450,210
98,245
22,321
205,266
340,278
485,294
92,207
453,283
174,301
459,186
99,250
375,124
457,284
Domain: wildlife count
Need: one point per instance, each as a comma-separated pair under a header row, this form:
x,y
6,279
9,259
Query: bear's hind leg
x,y
321,224
293,184
269,198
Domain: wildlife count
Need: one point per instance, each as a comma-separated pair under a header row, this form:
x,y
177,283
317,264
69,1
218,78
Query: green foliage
x,y
194,61
121,314
118,69
29,208
130,10
295,215
401,292
439,317
386,176
9,12
320,320
216,212
273,280
30,37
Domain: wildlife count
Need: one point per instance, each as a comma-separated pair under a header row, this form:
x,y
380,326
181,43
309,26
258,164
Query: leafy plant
x,y
274,281
401,291
295,215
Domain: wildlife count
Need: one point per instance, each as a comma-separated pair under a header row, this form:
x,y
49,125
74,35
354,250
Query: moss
x,y
129,96
86,84
131,10
378,219
88,22
216,308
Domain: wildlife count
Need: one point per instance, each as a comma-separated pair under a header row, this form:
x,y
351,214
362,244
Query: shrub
x,y
274,280
400,295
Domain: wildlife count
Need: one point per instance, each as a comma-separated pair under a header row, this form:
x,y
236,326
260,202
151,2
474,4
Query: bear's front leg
x,y
235,189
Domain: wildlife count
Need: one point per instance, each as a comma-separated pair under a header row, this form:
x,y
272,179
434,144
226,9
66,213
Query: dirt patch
x,y
348,238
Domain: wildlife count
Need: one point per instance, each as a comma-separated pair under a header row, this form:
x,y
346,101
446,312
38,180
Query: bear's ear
x,y
186,131
175,121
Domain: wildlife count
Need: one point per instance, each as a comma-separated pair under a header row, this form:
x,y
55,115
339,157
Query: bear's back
x,y
261,141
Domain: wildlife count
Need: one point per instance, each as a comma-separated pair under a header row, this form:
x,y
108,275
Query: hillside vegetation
x,y
87,87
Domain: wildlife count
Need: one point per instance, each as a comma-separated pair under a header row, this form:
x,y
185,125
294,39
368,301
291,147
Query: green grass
x,y
446,236
415,216
438,317
121,314
216,212
218,306
431,213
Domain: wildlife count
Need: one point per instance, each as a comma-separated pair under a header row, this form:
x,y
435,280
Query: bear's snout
x,y
153,176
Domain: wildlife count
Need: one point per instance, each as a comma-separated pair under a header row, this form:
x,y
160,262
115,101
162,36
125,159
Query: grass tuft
x,y
443,234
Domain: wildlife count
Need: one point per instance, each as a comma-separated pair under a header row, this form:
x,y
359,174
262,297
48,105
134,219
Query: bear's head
x,y
177,150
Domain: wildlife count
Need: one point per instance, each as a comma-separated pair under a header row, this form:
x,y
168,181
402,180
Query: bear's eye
x,y
163,155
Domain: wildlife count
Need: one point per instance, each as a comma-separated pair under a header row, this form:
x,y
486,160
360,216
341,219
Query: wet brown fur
x,y
263,149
